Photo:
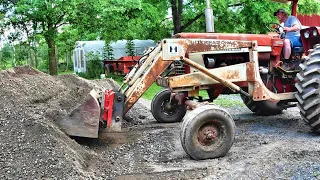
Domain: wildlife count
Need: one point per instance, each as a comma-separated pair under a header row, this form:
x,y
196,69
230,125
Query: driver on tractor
x,y
292,39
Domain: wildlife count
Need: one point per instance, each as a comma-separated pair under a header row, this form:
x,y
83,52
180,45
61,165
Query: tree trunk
x,y
14,57
53,70
31,61
176,6
57,57
36,57
68,60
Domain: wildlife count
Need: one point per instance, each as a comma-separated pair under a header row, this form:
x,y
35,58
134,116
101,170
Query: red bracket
x,y
108,107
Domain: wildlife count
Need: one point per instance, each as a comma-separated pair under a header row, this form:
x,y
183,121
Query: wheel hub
x,y
169,107
207,135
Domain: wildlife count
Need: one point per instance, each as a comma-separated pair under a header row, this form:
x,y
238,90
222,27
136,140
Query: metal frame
x,y
175,49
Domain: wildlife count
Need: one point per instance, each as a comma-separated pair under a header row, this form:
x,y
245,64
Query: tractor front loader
x,y
207,131
219,63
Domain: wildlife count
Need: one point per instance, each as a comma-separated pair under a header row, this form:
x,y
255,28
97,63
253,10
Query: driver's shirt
x,y
292,20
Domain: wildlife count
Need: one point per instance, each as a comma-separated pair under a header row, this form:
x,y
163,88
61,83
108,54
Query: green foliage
x,y
65,72
107,51
117,78
130,48
65,67
42,57
309,7
42,17
149,94
21,54
122,19
6,53
132,19
94,67
84,75
257,14
245,16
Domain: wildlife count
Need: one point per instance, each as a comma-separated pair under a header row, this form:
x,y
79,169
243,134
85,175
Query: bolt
x,y
118,118
209,135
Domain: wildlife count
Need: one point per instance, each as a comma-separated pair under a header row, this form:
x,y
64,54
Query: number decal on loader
x,y
173,49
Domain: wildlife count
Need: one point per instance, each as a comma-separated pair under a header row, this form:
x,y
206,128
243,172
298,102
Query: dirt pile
x,y
32,145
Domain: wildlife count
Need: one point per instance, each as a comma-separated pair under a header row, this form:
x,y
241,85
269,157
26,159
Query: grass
x,y
225,101
152,91
117,78
66,72
149,94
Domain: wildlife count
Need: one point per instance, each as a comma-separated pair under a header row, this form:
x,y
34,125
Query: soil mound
x,y
32,145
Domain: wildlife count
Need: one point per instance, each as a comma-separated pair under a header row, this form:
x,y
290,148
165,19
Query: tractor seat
x,y
297,49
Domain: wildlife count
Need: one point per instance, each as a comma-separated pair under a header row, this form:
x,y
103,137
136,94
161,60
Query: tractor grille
x,y
179,68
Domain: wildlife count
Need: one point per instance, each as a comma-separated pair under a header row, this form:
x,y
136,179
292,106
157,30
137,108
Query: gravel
x,y
33,146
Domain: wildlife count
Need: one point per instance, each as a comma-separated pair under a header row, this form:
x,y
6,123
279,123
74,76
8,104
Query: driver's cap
x,y
279,11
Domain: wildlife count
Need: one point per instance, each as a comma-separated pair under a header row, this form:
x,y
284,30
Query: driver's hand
x,y
274,26
285,29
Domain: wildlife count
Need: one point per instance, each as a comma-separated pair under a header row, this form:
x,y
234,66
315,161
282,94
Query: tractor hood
x,y
262,39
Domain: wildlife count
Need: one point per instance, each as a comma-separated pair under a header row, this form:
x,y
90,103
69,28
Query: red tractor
x,y
248,64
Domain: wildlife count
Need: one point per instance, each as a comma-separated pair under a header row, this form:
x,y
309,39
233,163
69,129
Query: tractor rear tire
x,y
308,89
164,111
207,132
263,108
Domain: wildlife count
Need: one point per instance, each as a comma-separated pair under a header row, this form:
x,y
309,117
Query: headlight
x,y
315,32
306,34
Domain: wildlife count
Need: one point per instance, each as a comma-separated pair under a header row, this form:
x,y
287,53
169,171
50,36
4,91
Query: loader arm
x,y
142,77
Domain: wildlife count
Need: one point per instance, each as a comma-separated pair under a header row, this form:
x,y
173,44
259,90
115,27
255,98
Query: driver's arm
x,y
295,27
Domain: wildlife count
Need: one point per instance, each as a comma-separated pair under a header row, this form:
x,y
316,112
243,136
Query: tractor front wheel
x,y
165,110
207,132
308,88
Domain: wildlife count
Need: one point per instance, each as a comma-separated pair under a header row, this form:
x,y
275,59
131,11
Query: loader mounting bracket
x,y
112,113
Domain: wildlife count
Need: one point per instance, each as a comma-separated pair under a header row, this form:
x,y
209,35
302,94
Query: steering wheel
x,y
274,27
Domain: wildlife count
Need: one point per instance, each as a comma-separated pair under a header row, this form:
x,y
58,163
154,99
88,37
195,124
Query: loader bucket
x,y
84,120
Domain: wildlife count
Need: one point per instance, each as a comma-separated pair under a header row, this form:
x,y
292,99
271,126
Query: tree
x,y
232,15
130,48
66,42
45,17
131,19
108,20
107,51
63,22
6,54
